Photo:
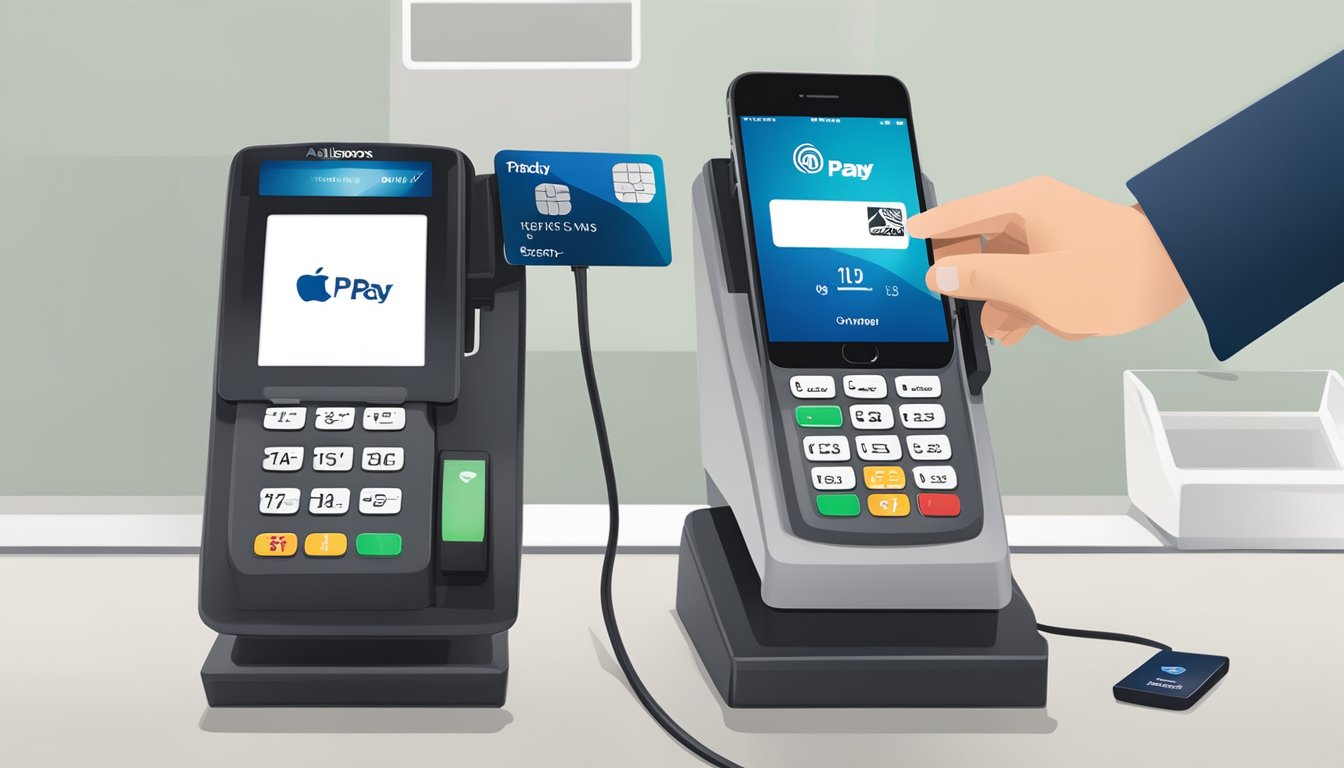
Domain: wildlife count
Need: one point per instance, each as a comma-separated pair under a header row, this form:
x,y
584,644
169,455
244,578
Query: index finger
x,y
987,213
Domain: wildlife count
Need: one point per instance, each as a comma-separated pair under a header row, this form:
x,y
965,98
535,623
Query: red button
x,y
939,504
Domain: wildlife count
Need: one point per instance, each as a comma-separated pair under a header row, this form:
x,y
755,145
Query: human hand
x,y
1054,256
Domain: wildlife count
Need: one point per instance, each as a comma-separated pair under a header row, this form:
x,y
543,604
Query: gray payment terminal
x,y
854,553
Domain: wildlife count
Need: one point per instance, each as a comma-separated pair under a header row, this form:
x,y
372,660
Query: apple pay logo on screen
x,y
343,290
314,288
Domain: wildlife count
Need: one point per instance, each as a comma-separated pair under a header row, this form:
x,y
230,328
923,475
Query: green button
x,y
838,504
819,416
462,503
378,544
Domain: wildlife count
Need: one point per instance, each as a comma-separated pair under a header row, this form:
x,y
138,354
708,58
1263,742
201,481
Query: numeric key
x,y
929,447
285,458
329,501
919,386
827,448
384,419
875,416
866,386
333,459
383,459
875,448
278,501
930,478
833,478
334,419
380,501
812,387
923,416
287,418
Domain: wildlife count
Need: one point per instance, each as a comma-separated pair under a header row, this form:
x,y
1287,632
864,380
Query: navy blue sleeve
x,y
1252,212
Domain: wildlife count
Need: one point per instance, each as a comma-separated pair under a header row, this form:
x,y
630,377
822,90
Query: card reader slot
x,y
728,223
973,346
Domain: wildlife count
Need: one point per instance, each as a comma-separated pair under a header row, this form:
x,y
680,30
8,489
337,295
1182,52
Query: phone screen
x,y
830,197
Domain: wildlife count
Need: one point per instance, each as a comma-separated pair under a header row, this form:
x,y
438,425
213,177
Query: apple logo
x,y
313,287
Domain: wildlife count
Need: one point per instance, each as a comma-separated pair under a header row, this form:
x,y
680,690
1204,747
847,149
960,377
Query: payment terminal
x,y
855,551
363,502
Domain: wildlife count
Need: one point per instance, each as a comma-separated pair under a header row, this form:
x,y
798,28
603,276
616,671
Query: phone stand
x,y
760,656
781,621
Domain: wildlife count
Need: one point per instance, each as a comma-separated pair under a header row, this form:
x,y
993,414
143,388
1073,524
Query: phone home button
x,y
859,354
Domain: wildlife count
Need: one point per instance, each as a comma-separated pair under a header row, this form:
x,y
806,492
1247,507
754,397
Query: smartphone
x,y
867,393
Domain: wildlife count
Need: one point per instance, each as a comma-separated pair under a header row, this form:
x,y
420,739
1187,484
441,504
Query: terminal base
x,y
357,672
760,656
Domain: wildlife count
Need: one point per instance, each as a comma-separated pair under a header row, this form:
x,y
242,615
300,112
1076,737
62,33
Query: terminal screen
x,y
343,290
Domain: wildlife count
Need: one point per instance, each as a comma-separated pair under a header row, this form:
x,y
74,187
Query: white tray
x,y
1237,460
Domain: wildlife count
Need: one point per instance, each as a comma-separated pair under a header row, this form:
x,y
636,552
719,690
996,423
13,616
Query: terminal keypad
x,y
345,487
879,447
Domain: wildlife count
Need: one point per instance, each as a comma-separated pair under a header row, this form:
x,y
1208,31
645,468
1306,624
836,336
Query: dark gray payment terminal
x,y
363,503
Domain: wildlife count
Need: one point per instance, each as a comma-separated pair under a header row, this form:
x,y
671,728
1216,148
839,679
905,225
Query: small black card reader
x,y
1171,680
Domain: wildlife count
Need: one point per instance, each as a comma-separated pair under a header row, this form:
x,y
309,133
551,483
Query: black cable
x,y
609,554
1093,634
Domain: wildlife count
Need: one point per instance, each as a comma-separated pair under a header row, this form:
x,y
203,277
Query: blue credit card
x,y
583,208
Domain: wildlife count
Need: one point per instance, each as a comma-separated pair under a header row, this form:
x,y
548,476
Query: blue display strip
x,y
345,178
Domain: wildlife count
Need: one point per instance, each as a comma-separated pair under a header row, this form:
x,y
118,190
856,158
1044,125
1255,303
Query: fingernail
x,y
946,279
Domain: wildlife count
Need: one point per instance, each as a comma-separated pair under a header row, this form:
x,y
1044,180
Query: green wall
x,y
119,118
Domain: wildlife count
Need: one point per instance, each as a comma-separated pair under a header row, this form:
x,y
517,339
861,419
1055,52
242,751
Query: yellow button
x,y
888,505
884,478
275,544
324,545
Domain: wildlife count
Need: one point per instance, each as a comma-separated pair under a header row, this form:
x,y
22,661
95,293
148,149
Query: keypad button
x,y
888,505
929,447
919,386
275,545
826,448
334,419
883,478
329,501
878,448
875,416
384,419
812,387
923,416
287,458
939,504
833,478
333,459
380,501
866,387
324,544
940,478
278,501
378,544
286,418
838,505
382,459
819,416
